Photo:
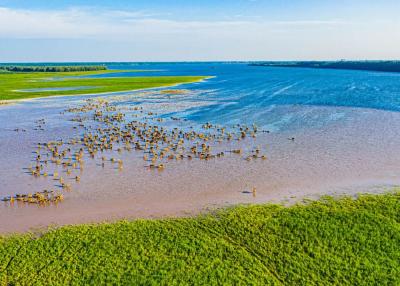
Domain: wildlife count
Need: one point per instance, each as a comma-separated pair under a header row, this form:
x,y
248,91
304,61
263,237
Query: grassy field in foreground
x,y
13,84
328,242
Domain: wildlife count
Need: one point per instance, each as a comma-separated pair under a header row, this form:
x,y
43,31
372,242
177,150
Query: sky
x,y
198,30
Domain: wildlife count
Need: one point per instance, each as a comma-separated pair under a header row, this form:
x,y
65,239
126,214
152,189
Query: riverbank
x,y
344,241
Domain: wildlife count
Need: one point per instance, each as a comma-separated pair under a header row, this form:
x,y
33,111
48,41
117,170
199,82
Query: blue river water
x,y
279,98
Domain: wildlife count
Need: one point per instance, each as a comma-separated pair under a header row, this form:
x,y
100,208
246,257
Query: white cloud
x,y
140,35
46,24
76,23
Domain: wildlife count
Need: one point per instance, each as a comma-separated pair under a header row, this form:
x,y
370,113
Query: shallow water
x,y
345,125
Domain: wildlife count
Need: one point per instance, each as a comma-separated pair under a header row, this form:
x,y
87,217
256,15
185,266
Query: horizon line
x,y
199,61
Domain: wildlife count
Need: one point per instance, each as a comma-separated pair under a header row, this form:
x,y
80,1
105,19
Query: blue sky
x,y
179,30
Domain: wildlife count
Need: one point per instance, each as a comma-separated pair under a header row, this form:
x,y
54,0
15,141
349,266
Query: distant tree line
x,y
51,68
385,66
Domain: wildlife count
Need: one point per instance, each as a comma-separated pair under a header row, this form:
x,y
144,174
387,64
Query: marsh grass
x,y
328,242
12,85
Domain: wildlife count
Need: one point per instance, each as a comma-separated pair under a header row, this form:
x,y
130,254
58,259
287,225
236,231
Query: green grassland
x,y
327,242
13,84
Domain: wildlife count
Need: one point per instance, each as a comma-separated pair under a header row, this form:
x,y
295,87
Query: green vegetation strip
x,y
328,242
41,68
14,85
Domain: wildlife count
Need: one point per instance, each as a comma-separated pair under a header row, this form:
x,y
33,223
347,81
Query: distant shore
x,y
382,66
51,68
